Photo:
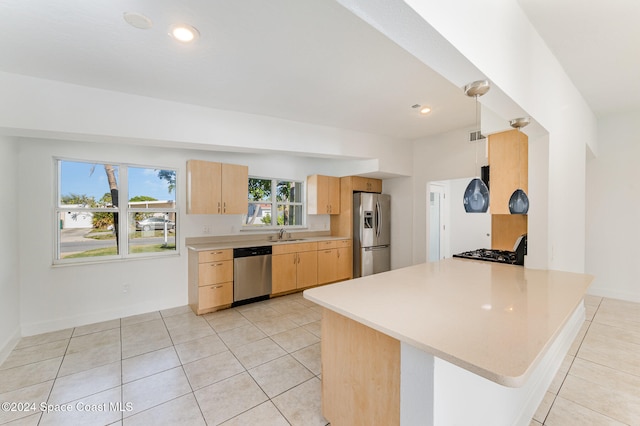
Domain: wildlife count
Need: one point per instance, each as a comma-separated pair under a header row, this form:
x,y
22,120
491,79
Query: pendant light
x,y
519,202
476,196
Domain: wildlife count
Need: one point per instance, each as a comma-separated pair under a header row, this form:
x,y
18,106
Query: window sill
x,y
111,260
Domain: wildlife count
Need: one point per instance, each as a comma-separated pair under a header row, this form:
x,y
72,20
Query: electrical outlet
x,y
206,229
126,288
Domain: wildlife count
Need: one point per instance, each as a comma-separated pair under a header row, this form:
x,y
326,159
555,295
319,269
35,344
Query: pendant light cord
x,y
519,162
478,136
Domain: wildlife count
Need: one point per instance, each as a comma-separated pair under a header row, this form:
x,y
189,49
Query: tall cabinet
x,y
216,188
509,170
342,224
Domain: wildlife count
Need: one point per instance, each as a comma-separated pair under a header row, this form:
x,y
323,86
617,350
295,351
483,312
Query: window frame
x,y
123,210
275,203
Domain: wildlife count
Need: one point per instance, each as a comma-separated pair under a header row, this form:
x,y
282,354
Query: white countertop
x,y
492,319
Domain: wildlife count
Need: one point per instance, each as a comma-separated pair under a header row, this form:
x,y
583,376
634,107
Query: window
x,y
269,198
93,220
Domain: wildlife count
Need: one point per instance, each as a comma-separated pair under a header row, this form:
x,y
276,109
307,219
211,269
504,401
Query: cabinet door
x,y
344,268
317,195
508,159
327,263
203,187
283,272
333,195
323,194
235,189
307,271
366,184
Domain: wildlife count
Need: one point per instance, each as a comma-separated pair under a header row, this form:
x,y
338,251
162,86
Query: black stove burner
x,y
500,256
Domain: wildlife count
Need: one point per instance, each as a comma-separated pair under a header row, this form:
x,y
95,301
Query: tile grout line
x,y
286,352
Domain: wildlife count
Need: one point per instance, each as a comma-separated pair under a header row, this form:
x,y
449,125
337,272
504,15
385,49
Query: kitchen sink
x,y
288,240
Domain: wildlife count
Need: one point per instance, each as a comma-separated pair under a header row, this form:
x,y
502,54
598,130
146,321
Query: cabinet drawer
x,y
215,272
215,255
215,295
284,248
343,243
323,245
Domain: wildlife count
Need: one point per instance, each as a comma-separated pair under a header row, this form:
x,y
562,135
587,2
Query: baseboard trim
x,y
9,345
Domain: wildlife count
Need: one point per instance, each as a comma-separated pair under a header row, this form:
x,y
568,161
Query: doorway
x,y
436,226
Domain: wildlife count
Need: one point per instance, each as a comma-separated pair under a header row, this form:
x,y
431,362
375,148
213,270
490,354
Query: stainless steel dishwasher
x,y
251,274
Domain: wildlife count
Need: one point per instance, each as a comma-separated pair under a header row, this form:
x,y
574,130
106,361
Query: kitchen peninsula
x,y
452,342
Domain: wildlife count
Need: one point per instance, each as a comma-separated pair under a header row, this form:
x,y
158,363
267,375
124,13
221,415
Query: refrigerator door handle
x,y
378,221
374,248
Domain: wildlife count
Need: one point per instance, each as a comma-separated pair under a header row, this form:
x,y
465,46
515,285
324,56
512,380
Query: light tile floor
x,y
599,381
256,364
259,364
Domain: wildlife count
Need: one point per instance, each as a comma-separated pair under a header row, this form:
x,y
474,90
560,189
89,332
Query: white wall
x,y
496,47
56,297
467,231
467,40
441,157
44,108
402,211
9,244
613,206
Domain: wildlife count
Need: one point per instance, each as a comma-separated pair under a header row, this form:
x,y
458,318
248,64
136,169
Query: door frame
x,y
442,189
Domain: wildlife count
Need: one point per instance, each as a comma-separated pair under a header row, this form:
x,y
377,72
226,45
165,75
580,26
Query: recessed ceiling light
x,y
137,20
184,33
423,109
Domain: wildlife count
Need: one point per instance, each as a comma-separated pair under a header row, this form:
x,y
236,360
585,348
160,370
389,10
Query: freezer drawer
x,y
374,260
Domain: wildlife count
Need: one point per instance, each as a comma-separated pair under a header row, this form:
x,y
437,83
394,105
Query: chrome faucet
x,y
280,233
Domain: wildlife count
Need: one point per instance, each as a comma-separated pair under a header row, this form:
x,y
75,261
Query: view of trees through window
x,y
269,198
92,223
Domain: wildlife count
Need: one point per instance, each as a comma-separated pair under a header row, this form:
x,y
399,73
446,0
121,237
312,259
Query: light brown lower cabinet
x,y
210,280
334,261
293,266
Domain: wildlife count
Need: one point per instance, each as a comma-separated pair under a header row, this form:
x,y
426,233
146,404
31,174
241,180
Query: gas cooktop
x,y
500,256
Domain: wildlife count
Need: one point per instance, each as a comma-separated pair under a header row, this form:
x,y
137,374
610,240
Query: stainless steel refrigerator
x,y
371,233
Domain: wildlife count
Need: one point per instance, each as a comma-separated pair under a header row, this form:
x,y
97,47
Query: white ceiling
x,y
310,61
598,44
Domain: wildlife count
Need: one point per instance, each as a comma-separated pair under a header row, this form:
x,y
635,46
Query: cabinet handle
x,y
224,209
217,264
327,251
215,252
216,287
298,256
218,206
338,253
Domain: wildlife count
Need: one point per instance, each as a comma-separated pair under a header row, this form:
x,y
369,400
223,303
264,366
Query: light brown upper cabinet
x,y
363,184
216,188
508,161
323,194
